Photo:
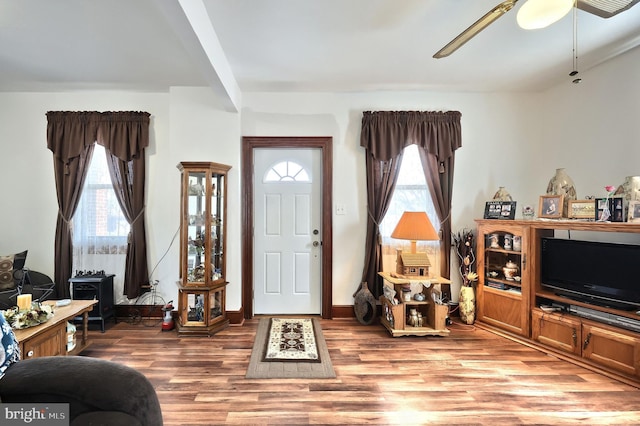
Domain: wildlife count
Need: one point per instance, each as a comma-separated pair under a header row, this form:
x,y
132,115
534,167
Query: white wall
x,y
511,140
494,152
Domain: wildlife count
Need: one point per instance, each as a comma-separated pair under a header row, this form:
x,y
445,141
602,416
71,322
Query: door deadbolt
x,y
316,243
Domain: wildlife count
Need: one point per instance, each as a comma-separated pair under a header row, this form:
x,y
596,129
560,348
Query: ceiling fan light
x,y
536,14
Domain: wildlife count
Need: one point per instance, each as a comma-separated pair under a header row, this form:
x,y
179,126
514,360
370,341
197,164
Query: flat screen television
x,y
599,273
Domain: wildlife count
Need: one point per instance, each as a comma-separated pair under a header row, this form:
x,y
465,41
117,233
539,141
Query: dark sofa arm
x,y
89,385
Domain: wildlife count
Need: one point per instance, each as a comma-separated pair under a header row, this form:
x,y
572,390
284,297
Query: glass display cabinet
x,y
503,290
203,214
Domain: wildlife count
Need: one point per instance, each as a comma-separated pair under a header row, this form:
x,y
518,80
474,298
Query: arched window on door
x,y
287,171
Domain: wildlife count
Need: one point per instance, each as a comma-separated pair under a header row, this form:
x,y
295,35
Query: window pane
x,y
287,171
99,228
411,194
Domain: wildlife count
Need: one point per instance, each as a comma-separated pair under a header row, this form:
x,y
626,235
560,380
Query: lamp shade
x,y
536,14
414,226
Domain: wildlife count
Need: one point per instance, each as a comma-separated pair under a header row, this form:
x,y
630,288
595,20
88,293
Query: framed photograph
x,y
551,206
603,209
500,210
582,209
616,205
634,211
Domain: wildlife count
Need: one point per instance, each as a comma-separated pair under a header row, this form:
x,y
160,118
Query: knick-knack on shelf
x,y
562,184
502,195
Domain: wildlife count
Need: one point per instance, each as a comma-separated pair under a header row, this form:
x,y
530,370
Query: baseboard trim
x,y
122,312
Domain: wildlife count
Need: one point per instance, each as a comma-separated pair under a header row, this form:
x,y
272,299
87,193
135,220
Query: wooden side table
x,y
395,316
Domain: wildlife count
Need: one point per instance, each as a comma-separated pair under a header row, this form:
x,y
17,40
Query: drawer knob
x,y
30,353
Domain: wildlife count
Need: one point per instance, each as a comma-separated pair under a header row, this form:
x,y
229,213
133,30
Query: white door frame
x,y
249,143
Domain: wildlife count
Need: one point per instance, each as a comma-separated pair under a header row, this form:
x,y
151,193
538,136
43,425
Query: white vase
x,y
630,189
467,305
562,184
502,195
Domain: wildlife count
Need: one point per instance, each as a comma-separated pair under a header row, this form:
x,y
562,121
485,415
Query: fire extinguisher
x,y
167,319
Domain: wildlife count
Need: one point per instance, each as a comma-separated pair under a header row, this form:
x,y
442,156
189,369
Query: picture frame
x,y
503,210
633,214
603,204
616,205
551,206
582,209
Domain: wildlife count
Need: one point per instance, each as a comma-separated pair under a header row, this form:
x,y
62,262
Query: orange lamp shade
x,y
414,226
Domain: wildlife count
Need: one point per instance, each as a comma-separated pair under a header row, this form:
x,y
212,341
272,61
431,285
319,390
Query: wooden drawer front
x,y
502,310
610,348
53,342
556,331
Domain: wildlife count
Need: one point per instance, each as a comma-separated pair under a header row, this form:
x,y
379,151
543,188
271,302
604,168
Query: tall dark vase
x,y
364,304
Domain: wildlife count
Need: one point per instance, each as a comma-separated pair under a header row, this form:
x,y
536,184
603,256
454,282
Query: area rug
x,y
307,365
291,339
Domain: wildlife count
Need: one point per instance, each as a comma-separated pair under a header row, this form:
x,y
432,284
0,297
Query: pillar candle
x,y
24,301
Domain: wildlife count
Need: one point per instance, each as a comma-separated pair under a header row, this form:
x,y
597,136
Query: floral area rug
x,y
298,360
291,339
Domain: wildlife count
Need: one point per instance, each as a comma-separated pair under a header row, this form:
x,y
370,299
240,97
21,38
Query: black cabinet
x,y
99,287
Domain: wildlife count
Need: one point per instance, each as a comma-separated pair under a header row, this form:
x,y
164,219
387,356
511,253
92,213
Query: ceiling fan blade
x,y
475,28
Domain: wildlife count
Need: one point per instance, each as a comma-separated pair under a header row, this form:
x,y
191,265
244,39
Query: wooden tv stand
x,y
513,309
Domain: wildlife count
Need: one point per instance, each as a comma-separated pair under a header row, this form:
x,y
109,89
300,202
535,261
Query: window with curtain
x,y
100,230
411,194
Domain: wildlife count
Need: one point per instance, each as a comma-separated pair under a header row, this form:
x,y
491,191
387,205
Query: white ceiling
x,y
291,45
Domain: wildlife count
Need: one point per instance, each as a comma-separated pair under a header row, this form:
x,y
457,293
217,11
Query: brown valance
x,y
69,133
386,133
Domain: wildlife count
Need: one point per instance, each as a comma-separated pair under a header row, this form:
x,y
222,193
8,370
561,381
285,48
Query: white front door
x,y
286,230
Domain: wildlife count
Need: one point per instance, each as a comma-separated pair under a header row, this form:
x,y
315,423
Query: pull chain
x,y
575,45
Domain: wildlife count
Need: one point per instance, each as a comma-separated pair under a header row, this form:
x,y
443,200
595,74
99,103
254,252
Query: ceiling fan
x,y
534,14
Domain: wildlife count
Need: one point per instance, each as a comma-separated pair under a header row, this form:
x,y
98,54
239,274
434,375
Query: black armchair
x,y
99,392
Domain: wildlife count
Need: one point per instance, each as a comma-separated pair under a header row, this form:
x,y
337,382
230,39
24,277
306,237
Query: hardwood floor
x,y
471,377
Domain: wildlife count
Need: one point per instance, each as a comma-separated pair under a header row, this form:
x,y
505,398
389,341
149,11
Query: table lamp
x,y
413,226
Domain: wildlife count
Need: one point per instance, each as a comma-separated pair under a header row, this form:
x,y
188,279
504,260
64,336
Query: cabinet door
x,y
503,276
193,307
203,211
557,331
197,217
611,348
503,310
53,342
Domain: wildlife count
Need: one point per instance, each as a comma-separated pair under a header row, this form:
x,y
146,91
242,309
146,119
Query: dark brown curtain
x,y
71,137
381,181
124,136
439,177
384,135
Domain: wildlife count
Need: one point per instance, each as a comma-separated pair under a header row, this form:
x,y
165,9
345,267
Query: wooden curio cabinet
x,y
203,215
503,275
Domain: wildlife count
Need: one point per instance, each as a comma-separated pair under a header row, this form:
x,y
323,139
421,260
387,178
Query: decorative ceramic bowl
x,y
510,270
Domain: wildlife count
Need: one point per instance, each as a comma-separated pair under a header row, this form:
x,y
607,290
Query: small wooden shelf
x,y
395,316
